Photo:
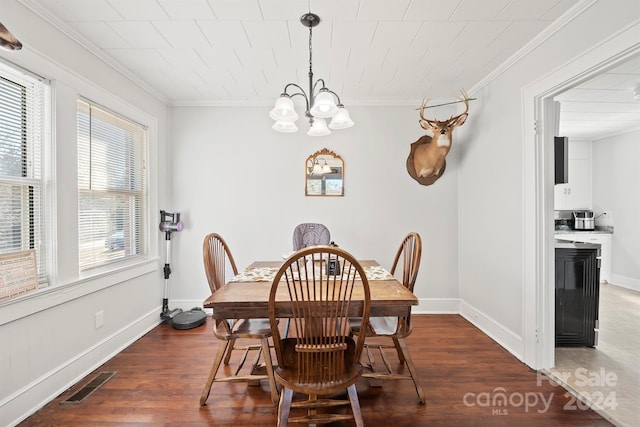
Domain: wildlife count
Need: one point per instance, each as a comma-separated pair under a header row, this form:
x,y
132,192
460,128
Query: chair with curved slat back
x,y
216,255
305,235
396,328
320,357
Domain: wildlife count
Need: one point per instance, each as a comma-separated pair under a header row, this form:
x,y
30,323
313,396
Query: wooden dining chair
x,y
217,256
320,286
395,328
305,235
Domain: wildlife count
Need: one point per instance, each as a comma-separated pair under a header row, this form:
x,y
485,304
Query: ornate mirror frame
x,y
324,174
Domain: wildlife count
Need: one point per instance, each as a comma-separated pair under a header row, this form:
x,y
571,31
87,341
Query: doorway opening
x,y
540,112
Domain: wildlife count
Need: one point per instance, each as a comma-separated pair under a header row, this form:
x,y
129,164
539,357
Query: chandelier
x,y
320,102
316,168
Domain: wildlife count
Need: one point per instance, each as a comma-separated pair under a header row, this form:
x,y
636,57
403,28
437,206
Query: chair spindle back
x,y
325,285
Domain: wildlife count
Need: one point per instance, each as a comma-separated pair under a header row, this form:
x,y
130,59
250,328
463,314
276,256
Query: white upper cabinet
x,y
577,193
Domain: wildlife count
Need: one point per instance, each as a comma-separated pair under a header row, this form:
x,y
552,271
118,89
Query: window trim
x,y
144,192
66,283
41,89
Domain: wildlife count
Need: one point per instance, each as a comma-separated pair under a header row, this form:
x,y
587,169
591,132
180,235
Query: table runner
x,y
266,274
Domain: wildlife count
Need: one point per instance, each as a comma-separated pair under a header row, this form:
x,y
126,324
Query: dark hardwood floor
x,y
469,379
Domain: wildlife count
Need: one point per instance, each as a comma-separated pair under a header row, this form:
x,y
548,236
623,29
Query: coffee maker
x,y
583,220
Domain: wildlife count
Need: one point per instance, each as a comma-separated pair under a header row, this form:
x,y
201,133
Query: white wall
x,y
492,177
616,178
490,225
49,339
236,176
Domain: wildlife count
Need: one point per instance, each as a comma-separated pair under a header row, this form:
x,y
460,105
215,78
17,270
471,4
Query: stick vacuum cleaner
x,y
170,222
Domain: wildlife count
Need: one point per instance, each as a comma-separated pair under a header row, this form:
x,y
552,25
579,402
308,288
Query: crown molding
x,y
91,48
414,103
556,26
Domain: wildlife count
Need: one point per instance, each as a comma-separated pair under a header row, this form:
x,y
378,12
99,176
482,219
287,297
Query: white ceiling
x,y
370,52
603,105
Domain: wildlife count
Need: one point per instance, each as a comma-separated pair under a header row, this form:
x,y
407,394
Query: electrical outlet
x,y
99,319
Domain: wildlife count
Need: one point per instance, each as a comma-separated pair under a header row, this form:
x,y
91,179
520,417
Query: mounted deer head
x,y
429,152
7,40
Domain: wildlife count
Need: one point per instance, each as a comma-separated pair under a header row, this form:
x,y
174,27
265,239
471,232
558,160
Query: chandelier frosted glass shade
x,y
341,120
284,109
318,128
326,168
324,105
317,169
285,126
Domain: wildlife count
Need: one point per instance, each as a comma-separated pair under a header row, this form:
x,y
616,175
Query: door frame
x,y
538,118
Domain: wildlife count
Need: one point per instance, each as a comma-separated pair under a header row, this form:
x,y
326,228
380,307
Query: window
x,y
111,186
22,123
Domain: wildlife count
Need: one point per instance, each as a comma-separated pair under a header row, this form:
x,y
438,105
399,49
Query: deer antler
x,y
465,99
424,104
431,122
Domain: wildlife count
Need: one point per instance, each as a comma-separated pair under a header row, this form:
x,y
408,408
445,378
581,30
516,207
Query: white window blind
x,y
111,186
22,120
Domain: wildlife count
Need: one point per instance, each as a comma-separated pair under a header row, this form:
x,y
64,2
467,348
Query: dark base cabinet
x,y
577,296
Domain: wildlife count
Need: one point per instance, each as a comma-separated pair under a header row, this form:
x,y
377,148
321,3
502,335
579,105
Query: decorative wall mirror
x,y
324,174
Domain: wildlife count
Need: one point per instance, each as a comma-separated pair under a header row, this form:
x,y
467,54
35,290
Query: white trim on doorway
x,y
538,313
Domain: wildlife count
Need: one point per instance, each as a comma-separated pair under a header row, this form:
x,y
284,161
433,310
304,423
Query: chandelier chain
x,y
310,51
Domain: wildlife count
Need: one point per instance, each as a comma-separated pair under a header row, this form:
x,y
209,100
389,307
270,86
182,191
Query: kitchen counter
x,y
598,230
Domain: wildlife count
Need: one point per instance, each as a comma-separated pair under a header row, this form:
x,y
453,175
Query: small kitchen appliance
x,y
583,220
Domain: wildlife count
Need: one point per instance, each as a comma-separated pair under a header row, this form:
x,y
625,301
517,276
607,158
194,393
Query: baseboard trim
x,y
33,396
625,282
512,342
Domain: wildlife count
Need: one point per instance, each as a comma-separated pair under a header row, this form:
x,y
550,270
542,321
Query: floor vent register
x,y
97,382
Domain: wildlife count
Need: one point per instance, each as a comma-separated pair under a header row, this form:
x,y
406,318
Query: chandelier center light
x,y
320,101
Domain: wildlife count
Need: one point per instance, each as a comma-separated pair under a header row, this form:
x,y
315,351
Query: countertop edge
x,y
556,232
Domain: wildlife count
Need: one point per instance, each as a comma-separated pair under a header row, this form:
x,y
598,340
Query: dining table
x,y
246,295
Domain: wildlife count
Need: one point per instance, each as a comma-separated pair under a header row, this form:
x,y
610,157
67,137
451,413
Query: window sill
x,y
53,295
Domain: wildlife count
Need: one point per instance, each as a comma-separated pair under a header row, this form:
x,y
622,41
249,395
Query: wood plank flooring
x,y
469,379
